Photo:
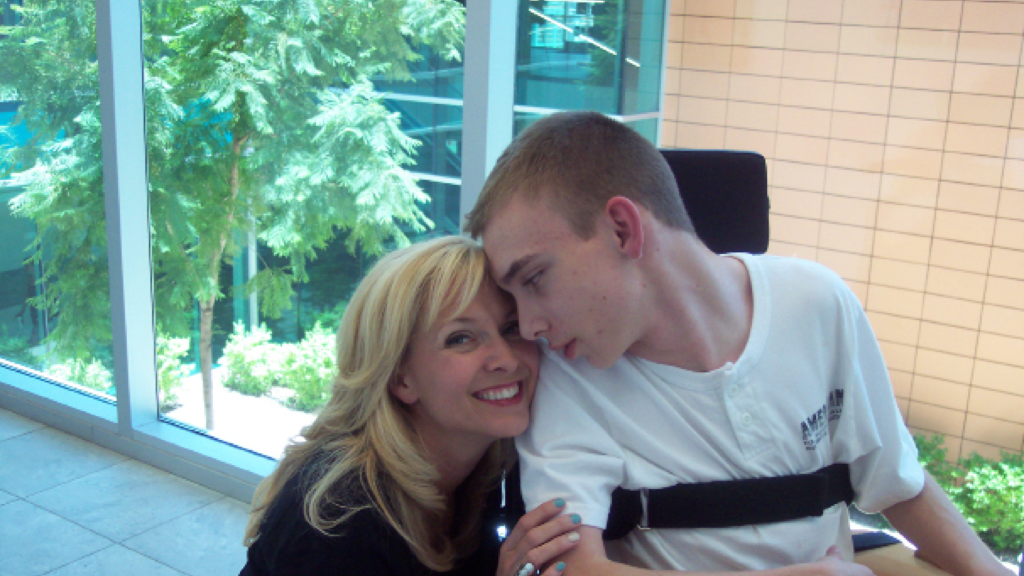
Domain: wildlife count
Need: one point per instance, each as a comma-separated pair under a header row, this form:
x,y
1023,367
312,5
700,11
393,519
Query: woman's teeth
x,y
503,394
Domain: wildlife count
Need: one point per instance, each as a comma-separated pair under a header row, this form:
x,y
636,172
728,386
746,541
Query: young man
x,y
668,364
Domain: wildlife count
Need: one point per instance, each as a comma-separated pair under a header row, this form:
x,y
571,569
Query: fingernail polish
x,y
574,536
576,518
559,502
560,566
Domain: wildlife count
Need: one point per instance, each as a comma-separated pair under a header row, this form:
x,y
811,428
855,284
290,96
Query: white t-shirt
x,y
810,389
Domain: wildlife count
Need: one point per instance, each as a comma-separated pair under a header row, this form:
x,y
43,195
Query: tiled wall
x,y
894,132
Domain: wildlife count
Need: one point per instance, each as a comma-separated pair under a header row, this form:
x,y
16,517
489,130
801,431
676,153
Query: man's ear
x,y
403,388
627,224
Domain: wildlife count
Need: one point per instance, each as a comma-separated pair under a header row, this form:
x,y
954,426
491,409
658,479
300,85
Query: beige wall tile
x,y
1009,234
678,7
674,55
668,134
1003,321
849,266
797,203
1007,263
964,227
852,183
799,176
989,451
706,57
859,127
809,65
1015,147
699,136
1004,434
892,328
930,14
999,377
859,289
703,84
960,256
868,40
722,8
779,248
903,247
804,121
1013,177
927,44
944,366
971,169
813,37
912,162
700,110
895,301
672,81
936,418
1002,349
916,133
1011,204
985,79
903,405
925,104
703,30
1000,17
951,339
907,219
1005,292
861,98
675,29
973,139
854,239
901,383
761,9
952,311
752,140
975,109
809,93
762,89
989,48
872,12
921,74
753,116
864,69
968,198
671,108
801,149
762,33
853,211
956,284
906,275
999,405
938,392
815,11
762,61
898,356
794,230
908,190
856,155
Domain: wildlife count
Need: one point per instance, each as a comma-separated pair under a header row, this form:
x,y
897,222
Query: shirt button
x,y
746,419
733,391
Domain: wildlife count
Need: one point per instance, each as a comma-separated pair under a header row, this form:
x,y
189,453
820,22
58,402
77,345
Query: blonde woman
x,y
400,473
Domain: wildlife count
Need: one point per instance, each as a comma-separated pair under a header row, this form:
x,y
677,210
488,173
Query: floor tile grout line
x,y
93,553
169,520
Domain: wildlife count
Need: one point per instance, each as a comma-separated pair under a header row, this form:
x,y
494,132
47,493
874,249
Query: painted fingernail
x,y
576,518
574,536
560,566
559,502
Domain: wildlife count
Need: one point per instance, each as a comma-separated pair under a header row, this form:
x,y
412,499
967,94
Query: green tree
x,y
260,117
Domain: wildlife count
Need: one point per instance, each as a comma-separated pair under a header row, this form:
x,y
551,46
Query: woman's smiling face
x,y
469,380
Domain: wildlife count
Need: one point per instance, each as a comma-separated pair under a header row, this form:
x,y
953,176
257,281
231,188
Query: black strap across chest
x,y
729,503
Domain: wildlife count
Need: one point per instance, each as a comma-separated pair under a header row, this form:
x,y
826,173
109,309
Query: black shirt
x,y
365,543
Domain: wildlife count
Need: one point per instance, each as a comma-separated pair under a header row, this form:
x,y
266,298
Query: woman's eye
x,y
456,339
511,329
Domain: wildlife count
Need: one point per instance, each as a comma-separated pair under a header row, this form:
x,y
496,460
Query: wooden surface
x,y
897,560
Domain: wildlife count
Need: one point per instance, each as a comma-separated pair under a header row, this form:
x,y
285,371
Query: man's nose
x,y
531,324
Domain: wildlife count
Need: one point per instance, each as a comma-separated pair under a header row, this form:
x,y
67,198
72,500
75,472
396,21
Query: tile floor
x,y
71,508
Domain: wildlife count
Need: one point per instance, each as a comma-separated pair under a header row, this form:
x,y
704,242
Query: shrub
x,y
93,375
16,349
992,500
252,363
309,369
169,369
931,453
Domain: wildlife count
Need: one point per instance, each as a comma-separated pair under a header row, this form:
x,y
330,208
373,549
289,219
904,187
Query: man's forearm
x,y
942,535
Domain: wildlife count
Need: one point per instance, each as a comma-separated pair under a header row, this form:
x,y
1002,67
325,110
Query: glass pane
x,y
54,292
285,157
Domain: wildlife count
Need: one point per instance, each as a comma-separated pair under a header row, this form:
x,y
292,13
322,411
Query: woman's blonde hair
x,y
364,433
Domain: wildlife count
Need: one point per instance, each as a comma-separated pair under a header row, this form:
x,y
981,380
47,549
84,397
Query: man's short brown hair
x,y
577,161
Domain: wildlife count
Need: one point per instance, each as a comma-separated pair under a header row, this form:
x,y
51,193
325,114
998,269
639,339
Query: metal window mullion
x,y
488,92
122,107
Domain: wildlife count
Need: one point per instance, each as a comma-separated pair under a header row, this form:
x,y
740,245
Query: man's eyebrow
x,y
515,268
